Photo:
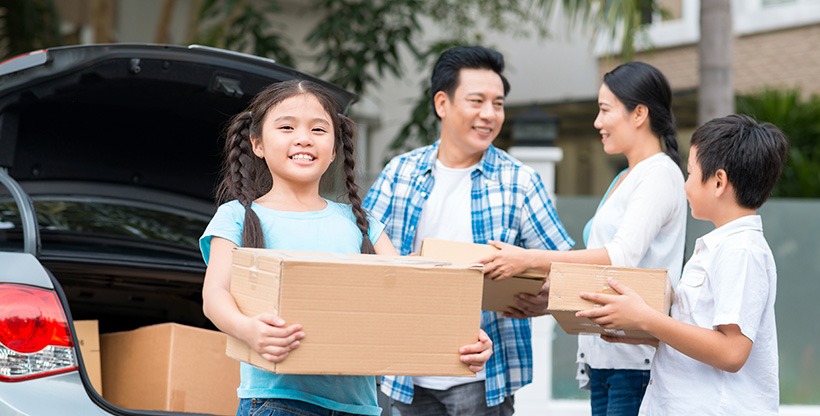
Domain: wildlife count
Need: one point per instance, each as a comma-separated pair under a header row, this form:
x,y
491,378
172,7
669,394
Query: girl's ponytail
x,y
243,176
347,131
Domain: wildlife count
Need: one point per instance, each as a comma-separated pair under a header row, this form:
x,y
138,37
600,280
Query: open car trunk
x,y
119,148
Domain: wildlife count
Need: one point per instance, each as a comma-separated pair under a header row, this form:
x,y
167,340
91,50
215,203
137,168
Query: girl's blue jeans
x,y
283,407
617,392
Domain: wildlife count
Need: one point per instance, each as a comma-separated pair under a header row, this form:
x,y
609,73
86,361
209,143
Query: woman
x,y
640,222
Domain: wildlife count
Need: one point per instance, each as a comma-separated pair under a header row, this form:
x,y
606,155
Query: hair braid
x,y
347,131
241,174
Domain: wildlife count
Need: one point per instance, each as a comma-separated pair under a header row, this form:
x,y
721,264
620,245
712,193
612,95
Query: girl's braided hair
x,y
245,177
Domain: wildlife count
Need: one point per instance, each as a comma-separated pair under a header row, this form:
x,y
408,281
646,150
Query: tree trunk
x,y
102,20
164,25
716,94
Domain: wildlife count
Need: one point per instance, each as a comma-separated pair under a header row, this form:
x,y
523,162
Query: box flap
x,y
498,295
470,253
88,334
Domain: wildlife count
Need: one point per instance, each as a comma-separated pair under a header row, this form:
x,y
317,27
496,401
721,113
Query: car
x,y
109,156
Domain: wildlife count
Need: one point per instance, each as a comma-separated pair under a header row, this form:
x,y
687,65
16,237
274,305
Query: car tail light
x,y
34,336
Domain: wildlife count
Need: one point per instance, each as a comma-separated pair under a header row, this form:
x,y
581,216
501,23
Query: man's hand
x,y
530,306
477,354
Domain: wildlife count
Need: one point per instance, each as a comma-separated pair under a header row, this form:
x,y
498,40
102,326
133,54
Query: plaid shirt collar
x,y
486,166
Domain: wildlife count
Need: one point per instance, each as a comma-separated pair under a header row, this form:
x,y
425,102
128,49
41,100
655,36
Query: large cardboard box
x,y
361,314
498,295
568,280
88,334
169,367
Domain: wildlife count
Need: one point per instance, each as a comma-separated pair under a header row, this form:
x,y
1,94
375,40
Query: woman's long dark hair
x,y
245,177
637,83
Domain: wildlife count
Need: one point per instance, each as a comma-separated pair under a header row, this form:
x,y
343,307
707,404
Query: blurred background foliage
x,y
358,42
799,118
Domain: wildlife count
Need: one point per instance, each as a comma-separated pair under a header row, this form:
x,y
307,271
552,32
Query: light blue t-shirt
x,y
332,229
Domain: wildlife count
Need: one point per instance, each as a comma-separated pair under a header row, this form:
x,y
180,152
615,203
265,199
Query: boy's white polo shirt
x,y
730,279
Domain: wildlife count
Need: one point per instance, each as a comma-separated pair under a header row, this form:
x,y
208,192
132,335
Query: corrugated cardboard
x,y
88,334
361,314
169,367
568,280
498,295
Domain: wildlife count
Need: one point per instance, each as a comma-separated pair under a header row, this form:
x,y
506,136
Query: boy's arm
x,y
725,347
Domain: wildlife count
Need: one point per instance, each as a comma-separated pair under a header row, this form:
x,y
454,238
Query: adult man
x,y
462,188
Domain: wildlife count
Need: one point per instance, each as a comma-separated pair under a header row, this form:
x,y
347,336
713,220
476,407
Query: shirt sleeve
x,y
376,228
741,288
651,205
227,223
540,226
377,200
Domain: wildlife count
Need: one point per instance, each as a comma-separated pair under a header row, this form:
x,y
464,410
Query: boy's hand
x,y
477,354
267,335
530,306
508,261
625,311
634,341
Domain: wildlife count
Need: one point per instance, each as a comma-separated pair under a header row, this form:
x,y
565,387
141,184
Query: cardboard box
x,y
361,314
498,295
88,334
567,281
169,367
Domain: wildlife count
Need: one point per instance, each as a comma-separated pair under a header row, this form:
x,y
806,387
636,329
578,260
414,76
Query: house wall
x,y
784,58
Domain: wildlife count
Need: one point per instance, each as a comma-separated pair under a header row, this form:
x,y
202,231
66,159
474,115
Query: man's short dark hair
x,y
453,60
752,154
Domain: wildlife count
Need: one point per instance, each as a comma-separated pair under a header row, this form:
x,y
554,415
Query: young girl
x,y
640,222
276,153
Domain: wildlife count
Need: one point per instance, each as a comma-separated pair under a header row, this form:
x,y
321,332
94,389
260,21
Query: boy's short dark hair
x,y
751,153
453,60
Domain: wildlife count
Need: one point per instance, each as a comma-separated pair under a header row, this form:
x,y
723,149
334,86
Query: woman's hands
x,y
477,354
508,261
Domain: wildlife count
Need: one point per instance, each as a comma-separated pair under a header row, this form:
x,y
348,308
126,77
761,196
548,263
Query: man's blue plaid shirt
x,y
509,204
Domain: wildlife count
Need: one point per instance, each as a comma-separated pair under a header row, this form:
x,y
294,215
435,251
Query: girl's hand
x,y
268,335
626,310
508,261
477,354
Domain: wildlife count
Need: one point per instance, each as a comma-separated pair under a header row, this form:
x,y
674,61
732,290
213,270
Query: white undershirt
x,y
446,216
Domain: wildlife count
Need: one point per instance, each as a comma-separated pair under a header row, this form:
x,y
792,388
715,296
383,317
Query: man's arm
x,y
377,200
540,228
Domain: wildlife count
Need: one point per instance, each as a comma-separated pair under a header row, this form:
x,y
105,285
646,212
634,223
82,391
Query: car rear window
x,y
106,227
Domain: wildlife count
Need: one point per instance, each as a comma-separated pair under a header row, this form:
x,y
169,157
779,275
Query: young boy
x,y
717,353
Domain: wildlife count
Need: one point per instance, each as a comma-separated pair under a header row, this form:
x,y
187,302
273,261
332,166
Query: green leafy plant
x,y
28,25
799,119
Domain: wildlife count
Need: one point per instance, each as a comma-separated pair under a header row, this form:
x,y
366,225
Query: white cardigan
x,y
642,223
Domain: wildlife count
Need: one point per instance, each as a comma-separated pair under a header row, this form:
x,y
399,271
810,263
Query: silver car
x,y
108,159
